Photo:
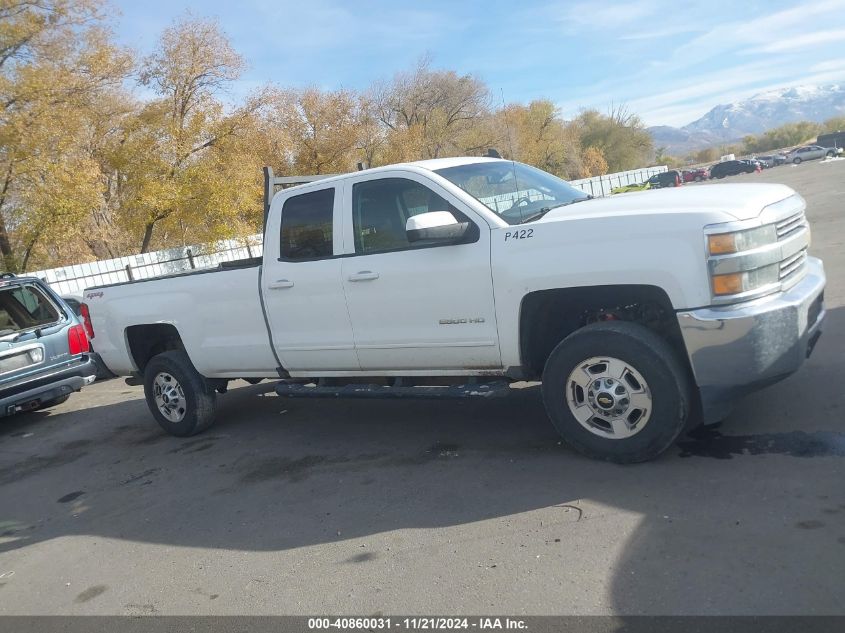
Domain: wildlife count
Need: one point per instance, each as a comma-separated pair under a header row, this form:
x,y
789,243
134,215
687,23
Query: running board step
x,y
497,389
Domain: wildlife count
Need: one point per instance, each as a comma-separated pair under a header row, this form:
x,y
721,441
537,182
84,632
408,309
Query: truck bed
x,y
217,313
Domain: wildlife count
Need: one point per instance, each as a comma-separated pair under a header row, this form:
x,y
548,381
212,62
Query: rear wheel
x,y
178,396
616,391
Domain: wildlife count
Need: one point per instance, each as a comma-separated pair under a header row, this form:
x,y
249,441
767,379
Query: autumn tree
x,y
322,128
56,64
535,134
835,124
431,113
620,136
171,150
782,136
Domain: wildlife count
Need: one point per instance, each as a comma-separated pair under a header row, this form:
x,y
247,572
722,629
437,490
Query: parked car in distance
x,y
767,161
43,347
696,175
671,178
758,166
811,152
732,168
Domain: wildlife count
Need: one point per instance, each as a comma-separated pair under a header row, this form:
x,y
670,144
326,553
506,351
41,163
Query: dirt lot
x,y
310,507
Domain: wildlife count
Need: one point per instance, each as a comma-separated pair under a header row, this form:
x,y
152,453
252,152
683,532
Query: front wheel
x,y
796,161
178,396
830,154
616,391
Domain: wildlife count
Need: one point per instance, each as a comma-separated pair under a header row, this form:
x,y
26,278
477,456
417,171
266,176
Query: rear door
x,y
301,282
415,307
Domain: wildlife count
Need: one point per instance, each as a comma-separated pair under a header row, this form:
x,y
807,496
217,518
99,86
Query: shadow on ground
x,y
754,499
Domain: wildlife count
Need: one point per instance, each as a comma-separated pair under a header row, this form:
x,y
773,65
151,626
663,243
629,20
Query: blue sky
x,y
668,61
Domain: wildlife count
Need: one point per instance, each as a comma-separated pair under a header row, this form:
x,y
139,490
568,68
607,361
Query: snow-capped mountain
x,y
763,111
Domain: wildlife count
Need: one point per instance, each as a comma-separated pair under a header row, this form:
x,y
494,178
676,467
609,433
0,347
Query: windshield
x,y
515,192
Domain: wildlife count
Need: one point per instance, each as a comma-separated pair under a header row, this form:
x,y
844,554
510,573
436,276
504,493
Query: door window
x,y
306,231
381,208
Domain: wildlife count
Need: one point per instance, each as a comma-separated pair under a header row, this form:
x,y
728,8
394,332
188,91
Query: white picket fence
x,y
72,280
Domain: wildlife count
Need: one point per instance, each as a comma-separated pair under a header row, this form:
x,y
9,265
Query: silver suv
x,y
44,351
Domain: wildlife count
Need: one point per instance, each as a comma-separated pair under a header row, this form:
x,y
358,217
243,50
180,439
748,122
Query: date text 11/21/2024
x,y
416,623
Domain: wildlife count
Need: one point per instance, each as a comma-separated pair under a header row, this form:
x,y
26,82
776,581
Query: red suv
x,y
696,175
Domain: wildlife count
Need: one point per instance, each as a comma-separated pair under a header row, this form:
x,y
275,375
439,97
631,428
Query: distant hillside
x,y
730,122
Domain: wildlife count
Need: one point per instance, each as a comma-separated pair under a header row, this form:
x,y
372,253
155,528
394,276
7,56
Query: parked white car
x,y
811,152
637,312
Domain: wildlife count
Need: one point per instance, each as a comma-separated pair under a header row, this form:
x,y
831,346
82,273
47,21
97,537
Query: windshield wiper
x,y
541,212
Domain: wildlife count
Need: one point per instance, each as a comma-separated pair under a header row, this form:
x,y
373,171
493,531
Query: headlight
x,y
735,283
727,243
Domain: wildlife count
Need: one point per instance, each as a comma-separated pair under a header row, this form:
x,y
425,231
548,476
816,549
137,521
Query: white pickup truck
x,y
453,277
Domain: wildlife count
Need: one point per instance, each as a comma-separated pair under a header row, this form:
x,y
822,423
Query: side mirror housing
x,y
437,227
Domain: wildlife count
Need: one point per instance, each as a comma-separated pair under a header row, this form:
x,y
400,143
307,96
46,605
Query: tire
x,y
829,154
796,161
666,391
52,403
698,179
189,396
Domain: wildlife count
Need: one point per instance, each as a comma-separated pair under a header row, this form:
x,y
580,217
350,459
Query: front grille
x,y
792,265
790,225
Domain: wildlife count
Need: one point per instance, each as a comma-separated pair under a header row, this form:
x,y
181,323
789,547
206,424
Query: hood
x,y
742,201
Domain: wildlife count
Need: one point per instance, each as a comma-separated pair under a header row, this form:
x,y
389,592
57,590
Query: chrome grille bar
x,y
789,225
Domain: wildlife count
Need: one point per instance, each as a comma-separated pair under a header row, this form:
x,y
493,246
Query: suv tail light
x,y
86,320
77,342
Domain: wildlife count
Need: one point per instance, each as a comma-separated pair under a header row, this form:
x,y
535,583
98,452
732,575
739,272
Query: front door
x,y
301,283
415,307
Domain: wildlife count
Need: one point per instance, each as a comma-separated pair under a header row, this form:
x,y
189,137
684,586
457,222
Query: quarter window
x,y
381,208
307,225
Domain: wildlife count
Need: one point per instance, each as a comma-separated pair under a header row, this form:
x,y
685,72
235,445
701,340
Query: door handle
x,y
364,275
281,283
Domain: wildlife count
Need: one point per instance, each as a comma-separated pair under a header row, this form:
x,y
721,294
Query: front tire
x,y
796,161
178,396
616,391
830,154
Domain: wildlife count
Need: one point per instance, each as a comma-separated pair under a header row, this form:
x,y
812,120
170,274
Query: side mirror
x,y
435,226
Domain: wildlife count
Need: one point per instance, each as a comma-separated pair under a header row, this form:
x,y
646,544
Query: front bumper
x,y
737,349
32,392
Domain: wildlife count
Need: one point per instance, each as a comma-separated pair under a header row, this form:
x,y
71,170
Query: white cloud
x,y
604,15
799,42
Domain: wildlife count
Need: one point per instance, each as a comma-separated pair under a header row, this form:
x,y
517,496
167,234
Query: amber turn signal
x,y
727,284
721,243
